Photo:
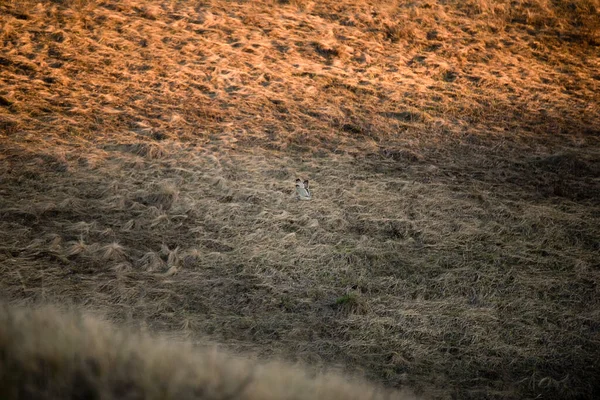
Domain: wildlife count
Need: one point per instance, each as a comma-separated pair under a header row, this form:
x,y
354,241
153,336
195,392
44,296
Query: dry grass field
x,y
148,152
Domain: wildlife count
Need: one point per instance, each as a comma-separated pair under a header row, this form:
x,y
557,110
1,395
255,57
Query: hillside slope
x,y
148,151
302,74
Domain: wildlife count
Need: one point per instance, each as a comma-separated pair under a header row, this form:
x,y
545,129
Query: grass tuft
x,y
46,354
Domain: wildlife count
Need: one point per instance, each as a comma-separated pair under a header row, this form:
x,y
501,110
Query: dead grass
x,y
148,152
420,273
291,75
48,355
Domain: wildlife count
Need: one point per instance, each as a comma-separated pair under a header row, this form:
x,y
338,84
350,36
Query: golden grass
x,y
148,152
292,75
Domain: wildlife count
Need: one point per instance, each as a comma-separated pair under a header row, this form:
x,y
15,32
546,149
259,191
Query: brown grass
x,y
148,152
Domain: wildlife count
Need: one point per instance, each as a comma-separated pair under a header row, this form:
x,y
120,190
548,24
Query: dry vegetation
x,y
148,151
75,357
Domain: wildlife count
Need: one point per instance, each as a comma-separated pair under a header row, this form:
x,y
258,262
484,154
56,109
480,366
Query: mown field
x,y
148,152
